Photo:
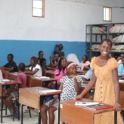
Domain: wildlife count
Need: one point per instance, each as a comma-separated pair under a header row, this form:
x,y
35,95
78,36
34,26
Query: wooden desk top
x,y
72,103
38,91
10,83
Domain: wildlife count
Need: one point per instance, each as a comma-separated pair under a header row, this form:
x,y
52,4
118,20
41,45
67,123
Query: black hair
x,y
40,52
11,55
21,67
60,67
106,40
86,57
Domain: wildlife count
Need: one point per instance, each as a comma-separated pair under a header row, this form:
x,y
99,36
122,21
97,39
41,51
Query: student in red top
x,y
21,77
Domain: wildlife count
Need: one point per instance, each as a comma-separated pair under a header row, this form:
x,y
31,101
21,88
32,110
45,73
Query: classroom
x,y
62,61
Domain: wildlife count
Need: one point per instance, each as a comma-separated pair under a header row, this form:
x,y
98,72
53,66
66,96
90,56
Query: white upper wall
x,y
64,20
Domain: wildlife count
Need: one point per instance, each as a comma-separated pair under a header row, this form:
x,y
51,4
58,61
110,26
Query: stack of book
x,y
118,47
118,39
95,46
117,29
98,30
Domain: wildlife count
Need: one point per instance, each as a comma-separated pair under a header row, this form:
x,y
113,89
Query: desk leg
x,y
59,110
115,117
1,109
39,118
21,113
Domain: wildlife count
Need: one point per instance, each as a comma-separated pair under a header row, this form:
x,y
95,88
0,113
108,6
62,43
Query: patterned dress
x,y
68,91
104,91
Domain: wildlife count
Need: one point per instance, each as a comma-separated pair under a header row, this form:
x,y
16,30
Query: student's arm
x,y
9,69
89,86
77,84
52,64
44,64
31,72
116,89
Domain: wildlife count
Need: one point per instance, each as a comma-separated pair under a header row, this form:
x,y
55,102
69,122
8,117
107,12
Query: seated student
x,y
84,63
1,76
35,68
11,65
59,73
119,58
57,49
54,61
21,77
69,85
41,60
88,75
121,67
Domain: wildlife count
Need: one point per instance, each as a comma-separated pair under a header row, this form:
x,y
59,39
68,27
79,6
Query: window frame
x,y
43,9
110,13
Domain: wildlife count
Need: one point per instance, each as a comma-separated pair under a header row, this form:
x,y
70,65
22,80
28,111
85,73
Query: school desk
x,y
71,114
46,81
32,97
1,93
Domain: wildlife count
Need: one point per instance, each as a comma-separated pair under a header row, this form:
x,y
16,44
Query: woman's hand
x,y
78,97
117,106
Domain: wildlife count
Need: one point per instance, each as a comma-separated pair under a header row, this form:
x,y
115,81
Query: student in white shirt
x,y
35,69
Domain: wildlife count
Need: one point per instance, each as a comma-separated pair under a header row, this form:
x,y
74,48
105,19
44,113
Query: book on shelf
x,y
117,29
118,47
99,107
119,38
86,103
98,30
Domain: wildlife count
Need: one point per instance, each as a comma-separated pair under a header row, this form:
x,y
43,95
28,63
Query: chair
x,y
35,82
5,74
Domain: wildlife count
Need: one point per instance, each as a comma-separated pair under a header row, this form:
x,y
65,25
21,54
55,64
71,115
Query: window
x,y
38,8
107,14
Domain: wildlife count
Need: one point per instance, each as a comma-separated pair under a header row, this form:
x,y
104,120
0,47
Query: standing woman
x,y
107,87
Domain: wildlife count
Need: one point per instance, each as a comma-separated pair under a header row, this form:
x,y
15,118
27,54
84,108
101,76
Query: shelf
x,y
96,33
104,33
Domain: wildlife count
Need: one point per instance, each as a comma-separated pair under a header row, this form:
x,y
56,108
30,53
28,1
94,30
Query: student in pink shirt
x,y
1,76
59,73
21,77
84,62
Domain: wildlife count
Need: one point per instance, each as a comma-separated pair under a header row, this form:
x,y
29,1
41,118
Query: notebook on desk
x,y
99,106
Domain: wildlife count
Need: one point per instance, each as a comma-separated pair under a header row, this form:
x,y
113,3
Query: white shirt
x,y
119,62
39,72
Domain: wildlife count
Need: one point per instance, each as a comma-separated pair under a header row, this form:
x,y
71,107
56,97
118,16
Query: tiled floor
x,y
27,119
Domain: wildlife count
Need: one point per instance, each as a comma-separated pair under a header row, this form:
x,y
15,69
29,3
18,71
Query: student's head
x,y
122,55
56,56
60,47
84,58
21,67
71,68
10,57
33,61
122,59
62,63
40,54
105,47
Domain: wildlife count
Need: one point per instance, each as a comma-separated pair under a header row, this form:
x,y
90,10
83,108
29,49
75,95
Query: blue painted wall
x,y
23,50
